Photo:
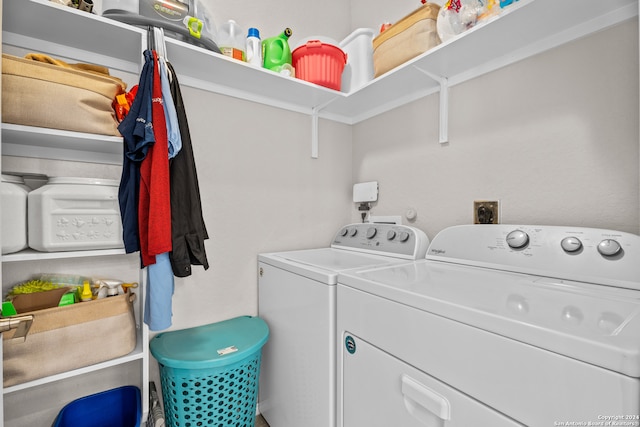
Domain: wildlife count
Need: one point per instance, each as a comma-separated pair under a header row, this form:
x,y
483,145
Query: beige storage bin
x,y
70,337
411,36
36,93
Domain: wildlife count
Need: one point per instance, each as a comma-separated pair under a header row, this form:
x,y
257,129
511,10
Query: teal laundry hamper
x,y
209,374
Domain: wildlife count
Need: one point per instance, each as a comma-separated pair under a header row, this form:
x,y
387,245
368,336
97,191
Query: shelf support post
x,y
444,104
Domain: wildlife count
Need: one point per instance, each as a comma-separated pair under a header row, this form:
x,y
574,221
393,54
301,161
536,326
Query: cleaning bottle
x,y
254,47
231,40
85,293
276,51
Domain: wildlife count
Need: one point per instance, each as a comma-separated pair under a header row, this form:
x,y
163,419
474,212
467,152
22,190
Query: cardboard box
x,y
38,300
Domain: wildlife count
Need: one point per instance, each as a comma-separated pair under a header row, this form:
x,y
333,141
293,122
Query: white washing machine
x,y
499,326
297,299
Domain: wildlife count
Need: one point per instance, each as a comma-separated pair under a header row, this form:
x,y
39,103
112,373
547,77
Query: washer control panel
x,y
574,253
401,241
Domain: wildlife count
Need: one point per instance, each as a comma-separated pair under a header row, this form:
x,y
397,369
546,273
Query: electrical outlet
x,y
486,212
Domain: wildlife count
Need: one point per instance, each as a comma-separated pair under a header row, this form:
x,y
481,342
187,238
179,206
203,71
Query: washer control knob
x,y
403,236
609,247
344,232
353,232
391,235
517,239
571,244
371,232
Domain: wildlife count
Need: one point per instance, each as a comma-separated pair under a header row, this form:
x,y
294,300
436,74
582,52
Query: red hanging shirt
x,y
154,211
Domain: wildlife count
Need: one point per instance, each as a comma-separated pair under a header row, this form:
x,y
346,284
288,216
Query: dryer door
x,y
380,390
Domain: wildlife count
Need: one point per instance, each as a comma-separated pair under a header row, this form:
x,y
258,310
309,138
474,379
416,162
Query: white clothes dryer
x,y
297,299
499,326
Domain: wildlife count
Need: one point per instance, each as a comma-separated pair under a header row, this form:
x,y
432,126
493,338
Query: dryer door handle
x,y
423,403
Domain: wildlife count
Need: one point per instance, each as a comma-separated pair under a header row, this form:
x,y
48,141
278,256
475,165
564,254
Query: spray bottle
x,y
276,51
85,292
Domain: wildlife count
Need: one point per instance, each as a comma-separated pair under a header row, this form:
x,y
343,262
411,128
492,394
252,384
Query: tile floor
x,y
261,422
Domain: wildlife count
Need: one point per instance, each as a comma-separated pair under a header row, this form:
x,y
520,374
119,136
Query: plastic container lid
x,y
214,345
323,39
253,32
84,181
14,179
357,33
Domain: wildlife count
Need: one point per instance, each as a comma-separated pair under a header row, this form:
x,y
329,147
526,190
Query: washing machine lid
x,y
354,246
596,324
324,264
557,288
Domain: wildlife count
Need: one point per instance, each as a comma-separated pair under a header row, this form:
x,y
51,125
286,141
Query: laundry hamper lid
x,y
208,346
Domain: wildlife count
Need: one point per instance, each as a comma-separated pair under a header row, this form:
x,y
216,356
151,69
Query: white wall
x,y
261,192
554,138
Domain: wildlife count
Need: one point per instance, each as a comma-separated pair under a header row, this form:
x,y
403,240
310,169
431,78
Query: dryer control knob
x,y
371,232
609,247
571,244
517,239
353,232
403,236
391,235
344,232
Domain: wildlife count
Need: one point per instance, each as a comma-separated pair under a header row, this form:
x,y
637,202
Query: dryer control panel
x,y
591,255
399,241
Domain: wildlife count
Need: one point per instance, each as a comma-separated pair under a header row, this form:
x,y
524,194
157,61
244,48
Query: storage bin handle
x,y
314,44
21,324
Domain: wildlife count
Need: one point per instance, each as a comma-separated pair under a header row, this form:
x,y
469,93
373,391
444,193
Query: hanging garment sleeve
x,y
188,228
137,137
154,213
173,127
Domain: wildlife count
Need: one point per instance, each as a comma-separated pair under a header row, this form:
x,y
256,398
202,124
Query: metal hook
x,y
150,38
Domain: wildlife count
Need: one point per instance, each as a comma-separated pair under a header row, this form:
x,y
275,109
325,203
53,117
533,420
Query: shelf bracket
x,y
315,128
444,104
444,110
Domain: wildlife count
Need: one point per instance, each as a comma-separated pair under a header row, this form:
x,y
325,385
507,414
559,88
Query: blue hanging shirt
x,y
137,132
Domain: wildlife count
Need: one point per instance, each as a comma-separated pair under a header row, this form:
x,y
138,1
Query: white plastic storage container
x,y
231,40
14,214
359,49
69,214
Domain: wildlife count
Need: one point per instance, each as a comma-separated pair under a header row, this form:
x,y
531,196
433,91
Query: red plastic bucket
x,y
319,63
